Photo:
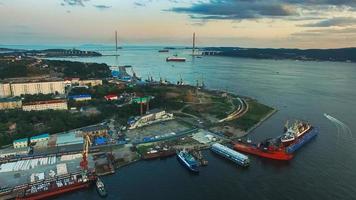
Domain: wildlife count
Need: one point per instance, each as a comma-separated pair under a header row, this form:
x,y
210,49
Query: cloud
x,y
350,3
336,21
200,23
74,2
327,32
236,9
254,9
139,4
82,3
102,7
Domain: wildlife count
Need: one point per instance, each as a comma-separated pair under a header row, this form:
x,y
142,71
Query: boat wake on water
x,y
342,128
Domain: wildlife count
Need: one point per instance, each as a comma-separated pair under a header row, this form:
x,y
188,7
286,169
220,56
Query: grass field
x,y
255,114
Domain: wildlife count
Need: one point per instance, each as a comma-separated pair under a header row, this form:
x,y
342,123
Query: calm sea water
x,y
323,169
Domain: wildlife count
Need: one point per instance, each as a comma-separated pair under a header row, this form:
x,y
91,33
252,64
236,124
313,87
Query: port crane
x,y
85,153
88,138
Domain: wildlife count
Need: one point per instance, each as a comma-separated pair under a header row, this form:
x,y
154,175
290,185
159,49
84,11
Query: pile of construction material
x,y
23,165
70,157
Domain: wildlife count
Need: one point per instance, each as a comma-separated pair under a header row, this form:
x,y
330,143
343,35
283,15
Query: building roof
x,y
45,135
68,138
111,95
39,79
12,99
21,140
94,128
45,102
79,96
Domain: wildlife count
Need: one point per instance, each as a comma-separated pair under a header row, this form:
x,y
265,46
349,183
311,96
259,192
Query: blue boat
x,y
303,140
188,161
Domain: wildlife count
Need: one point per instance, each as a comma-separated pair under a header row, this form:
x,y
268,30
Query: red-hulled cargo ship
x,y
282,147
56,186
264,149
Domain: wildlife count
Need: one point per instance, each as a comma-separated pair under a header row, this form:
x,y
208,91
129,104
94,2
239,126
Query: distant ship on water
x,y
175,59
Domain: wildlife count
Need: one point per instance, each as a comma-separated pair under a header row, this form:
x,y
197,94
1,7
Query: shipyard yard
x,y
37,169
177,100
170,118
114,124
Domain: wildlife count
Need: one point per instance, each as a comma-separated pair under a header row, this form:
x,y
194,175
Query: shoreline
x,y
261,121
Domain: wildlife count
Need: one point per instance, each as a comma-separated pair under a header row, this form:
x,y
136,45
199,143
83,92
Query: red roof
x,y
46,102
111,96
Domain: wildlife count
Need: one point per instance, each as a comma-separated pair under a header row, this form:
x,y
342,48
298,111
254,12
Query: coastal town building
x,y
153,116
5,90
39,138
91,82
111,97
10,103
18,87
78,82
48,87
22,88
80,97
20,143
98,129
59,104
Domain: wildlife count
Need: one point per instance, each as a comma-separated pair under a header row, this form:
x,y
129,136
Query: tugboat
x,y
188,161
100,188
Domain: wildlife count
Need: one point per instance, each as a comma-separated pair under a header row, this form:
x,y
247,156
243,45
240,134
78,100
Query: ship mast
x,y
115,40
193,50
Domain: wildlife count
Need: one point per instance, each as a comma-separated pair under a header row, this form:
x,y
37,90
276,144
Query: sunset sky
x,y
245,23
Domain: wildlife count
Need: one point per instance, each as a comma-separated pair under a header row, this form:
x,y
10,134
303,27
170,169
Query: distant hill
x,y
341,55
64,53
9,50
50,53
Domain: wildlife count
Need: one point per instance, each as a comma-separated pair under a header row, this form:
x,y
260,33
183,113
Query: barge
x,y
230,154
312,133
158,153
